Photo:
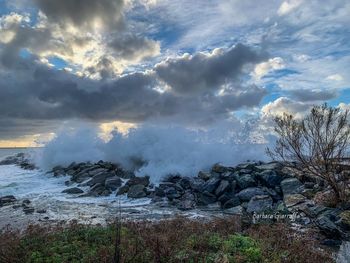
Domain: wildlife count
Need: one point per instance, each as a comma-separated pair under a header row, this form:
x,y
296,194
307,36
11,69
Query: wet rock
x,y
270,178
99,190
293,199
327,226
137,191
113,183
291,186
28,210
73,190
159,192
226,196
197,184
171,193
7,200
245,181
185,183
237,210
218,168
344,220
100,178
206,198
125,174
247,194
223,187
123,190
335,243
204,176
309,185
26,202
138,181
234,201
211,185
187,202
259,204
41,211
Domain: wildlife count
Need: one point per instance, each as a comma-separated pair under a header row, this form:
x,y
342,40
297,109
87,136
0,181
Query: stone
x,y
293,199
259,204
206,198
237,210
218,168
344,221
137,191
270,178
98,190
291,186
204,176
197,184
223,187
73,190
328,227
100,178
113,183
231,203
171,193
28,210
273,166
138,181
187,202
185,183
335,243
125,174
26,202
245,181
159,192
225,197
247,194
7,200
309,185
123,190
211,185
314,210
41,211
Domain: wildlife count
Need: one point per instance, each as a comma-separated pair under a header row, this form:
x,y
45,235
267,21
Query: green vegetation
x,y
179,240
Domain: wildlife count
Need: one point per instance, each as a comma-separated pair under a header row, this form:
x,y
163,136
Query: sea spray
x,y
154,150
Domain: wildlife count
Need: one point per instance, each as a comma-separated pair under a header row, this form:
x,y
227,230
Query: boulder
x,y
113,183
159,192
211,185
137,191
197,184
259,203
123,190
237,210
226,196
185,183
138,181
273,166
73,190
218,168
293,199
344,220
269,178
327,226
7,200
187,202
99,190
171,193
223,187
28,210
125,174
204,176
247,194
234,201
245,181
291,186
206,198
100,178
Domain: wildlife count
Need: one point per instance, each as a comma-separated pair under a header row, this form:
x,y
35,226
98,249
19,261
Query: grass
x,y
178,240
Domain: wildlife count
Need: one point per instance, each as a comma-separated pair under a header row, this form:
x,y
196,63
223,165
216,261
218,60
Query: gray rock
x,y
187,202
211,185
197,184
274,166
113,183
293,199
206,198
245,181
204,176
171,193
73,190
100,178
237,210
291,186
137,191
225,197
7,200
223,187
138,181
218,168
41,211
125,174
231,203
185,183
28,210
247,194
328,227
159,192
259,204
270,178
123,190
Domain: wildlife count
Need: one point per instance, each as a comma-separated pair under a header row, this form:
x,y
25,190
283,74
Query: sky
x,y
124,63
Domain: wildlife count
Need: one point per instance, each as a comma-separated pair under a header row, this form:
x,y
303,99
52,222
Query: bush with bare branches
x,y
317,144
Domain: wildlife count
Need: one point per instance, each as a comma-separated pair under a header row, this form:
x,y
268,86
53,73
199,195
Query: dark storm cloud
x,y
206,72
306,95
37,92
83,13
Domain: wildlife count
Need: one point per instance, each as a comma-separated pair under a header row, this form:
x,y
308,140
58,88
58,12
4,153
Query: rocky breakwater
x,y
259,190
21,159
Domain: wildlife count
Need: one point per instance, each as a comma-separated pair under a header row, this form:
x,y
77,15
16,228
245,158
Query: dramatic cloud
x,y
206,72
313,95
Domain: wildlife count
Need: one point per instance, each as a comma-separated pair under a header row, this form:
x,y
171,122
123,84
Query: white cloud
x,y
288,6
335,77
264,68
